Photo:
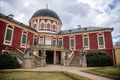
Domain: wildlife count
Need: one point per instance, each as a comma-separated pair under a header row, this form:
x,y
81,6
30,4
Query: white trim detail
x,y
72,48
101,35
25,33
86,47
7,42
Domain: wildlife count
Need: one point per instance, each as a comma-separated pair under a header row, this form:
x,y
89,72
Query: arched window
x,y
48,26
35,26
54,27
42,26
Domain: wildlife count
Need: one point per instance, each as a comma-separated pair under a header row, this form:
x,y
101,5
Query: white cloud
x,y
72,12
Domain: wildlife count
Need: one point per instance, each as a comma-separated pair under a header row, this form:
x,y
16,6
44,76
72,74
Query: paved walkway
x,y
75,70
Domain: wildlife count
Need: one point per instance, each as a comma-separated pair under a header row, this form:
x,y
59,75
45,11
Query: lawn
x,y
111,72
38,75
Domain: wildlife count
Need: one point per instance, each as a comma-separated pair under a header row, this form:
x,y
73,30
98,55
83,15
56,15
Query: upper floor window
x,y
41,41
54,42
35,41
86,42
101,43
54,27
24,37
35,26
8,35
72,43
48,26
42,26
60,43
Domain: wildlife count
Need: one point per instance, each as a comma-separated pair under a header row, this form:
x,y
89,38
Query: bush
x,y
7,61
95,59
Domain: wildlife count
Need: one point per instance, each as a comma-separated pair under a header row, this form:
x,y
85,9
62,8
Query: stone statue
x,y
28,51
83,58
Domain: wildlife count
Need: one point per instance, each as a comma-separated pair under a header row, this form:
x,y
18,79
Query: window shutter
x,y
24,39
101,42
85,41
60,43
35,41
8,35
72,42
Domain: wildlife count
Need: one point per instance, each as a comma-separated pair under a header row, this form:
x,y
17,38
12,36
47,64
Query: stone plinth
x,y
28,62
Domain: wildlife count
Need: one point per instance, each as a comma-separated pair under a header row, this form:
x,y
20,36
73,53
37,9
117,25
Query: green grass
x,y
38,75
111,72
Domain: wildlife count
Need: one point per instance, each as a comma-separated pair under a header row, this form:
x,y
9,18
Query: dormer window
x,y
42,26
48,26
35,26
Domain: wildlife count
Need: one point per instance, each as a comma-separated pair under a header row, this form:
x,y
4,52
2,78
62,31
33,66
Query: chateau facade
x,y
44,34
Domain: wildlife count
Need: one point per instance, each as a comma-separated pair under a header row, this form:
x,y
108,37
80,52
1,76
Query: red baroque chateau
x,y
44,32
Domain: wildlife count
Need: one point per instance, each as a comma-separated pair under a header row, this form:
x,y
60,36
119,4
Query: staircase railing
x,y
19,54
70,57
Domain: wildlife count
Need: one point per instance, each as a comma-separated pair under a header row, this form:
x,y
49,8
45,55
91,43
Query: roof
x,y
46,12
17,22
84,29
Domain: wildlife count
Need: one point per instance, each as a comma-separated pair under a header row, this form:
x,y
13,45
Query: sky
x,y
98,13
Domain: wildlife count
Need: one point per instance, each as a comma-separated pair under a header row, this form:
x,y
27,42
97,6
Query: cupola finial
x,y
46,6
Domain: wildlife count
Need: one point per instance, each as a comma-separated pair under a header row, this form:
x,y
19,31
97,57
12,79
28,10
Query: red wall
x,y
93,41
2,31
66,42
108,40
17,37
79,42
30,38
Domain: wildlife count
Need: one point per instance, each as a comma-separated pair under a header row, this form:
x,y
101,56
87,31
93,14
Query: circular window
x,y
42,26
48,26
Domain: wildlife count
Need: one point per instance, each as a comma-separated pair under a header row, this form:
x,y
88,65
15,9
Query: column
x,y
54,57
62,58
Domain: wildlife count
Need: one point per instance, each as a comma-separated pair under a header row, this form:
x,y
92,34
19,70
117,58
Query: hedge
x,y
7,61
98,59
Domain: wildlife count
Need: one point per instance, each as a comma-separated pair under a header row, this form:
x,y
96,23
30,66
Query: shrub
x,y
98,59
7,61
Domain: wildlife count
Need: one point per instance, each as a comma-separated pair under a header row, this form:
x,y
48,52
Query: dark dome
x,y
46,12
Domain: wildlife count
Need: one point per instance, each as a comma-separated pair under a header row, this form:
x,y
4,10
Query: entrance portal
x,y
49,57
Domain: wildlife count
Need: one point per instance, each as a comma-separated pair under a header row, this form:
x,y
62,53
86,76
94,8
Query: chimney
x,y
11,16
79,26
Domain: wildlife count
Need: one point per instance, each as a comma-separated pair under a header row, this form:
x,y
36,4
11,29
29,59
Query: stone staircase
x,y
19,55
75,61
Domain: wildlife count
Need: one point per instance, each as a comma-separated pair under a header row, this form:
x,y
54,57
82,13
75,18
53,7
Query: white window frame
x,y
86,47
72,48
60,39
41,38
5,41
101,46
26,33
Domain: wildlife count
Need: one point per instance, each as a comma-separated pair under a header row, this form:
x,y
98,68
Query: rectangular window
x,y
41,41
8,35
60,43
35,41
54,42
101,41
85,41
72,42
24,39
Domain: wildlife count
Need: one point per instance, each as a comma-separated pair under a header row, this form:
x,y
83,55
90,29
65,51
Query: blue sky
x,y
98,13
